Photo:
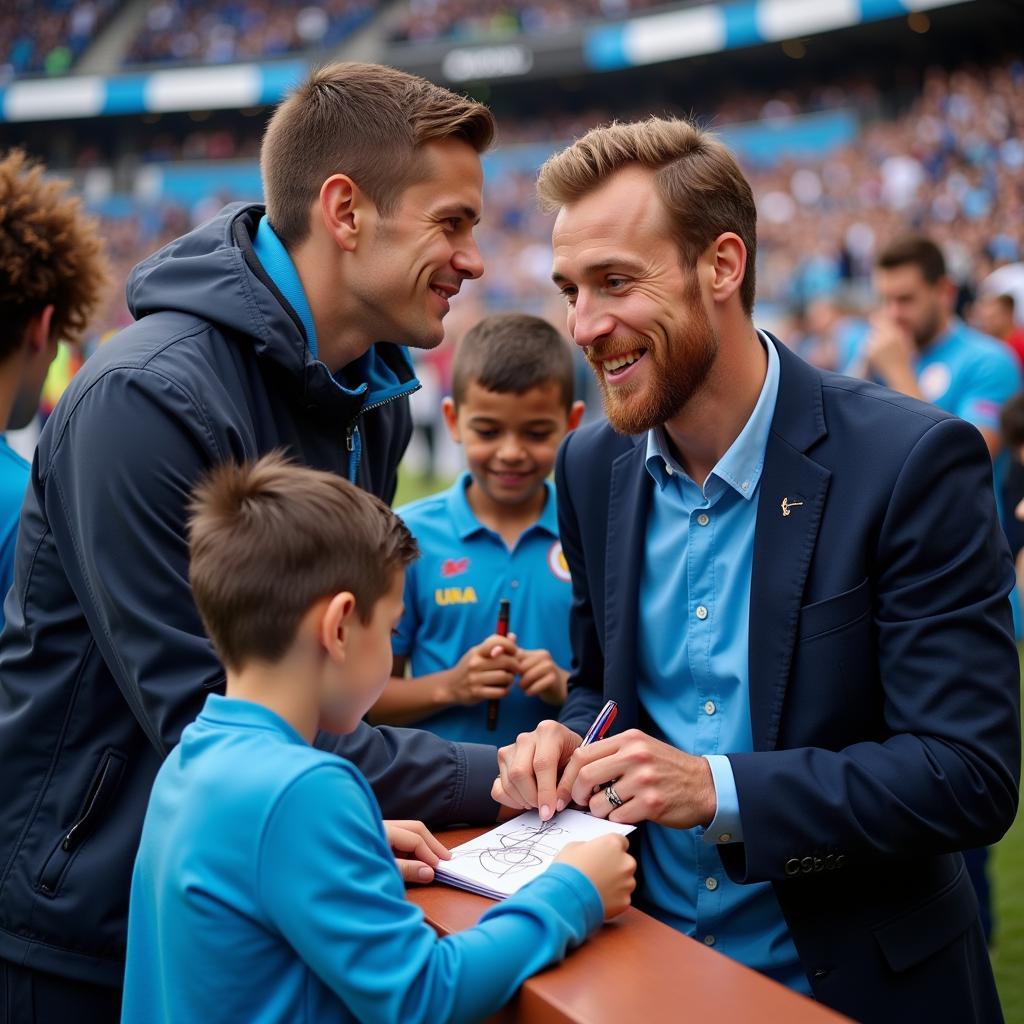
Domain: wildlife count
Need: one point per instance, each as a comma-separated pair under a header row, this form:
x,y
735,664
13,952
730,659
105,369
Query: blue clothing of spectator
x,y
265,891
963,372
451,604
694,686
970,375
14,473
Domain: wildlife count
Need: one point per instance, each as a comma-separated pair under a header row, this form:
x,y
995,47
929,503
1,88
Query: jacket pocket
x,y
834,612
914,936
97,800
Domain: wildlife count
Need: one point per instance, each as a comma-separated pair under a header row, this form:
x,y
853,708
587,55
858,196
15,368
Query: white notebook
x,y
503,860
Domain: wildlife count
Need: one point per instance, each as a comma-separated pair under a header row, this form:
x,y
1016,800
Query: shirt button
x,y
514,584
709,707
703,519
709,940
702,612
725,837
668,469
711,884
745,485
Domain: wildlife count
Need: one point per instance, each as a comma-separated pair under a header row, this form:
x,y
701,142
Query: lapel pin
x,y
788,506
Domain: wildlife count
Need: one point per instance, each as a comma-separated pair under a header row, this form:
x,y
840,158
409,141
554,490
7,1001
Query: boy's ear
x,y
451,418
336,623
37,334
575,415
345,210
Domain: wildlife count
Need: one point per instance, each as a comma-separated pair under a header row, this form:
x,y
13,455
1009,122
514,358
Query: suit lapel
x,y
789,508
783,546
628,502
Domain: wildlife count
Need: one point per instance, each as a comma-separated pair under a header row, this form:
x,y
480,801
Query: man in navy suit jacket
x,y
795,587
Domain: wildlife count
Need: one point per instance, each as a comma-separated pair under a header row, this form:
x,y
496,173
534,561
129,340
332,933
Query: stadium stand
x,y
429,20
198,32
48,35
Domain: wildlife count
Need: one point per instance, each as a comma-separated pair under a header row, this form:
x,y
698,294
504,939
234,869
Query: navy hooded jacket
x,y
104,659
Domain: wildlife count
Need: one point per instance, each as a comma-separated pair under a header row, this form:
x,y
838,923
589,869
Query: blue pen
x,y
601,724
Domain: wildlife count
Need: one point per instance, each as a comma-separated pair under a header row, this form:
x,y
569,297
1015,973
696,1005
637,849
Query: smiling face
x,y
416,259
511,440
638,316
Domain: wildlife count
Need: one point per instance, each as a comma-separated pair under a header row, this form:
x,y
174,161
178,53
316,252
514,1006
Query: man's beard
x,y
673,377
929,330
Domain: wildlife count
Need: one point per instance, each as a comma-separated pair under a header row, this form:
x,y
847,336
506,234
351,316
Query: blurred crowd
x,y
426,20
47,36
201,32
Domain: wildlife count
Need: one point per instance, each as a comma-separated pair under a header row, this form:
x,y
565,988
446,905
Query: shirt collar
x,y
274,258
466,522
740,467
233,711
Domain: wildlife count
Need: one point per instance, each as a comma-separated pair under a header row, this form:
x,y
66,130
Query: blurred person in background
x,y
52,277
917,345
995,315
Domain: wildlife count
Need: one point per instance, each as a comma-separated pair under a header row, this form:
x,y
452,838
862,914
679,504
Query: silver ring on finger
x,y
613,797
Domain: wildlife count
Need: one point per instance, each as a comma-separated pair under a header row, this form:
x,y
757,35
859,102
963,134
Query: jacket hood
x,y
212,273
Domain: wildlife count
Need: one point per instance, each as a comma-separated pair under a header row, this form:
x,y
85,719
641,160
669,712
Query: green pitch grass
x,y
1008,951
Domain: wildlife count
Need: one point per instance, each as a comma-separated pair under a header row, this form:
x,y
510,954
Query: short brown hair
x,y
364,120
697,179
50,253
269,539
511,353
914,250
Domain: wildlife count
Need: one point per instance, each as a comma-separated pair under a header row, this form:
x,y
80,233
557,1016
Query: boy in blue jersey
x,y
492,535
266,887
52,274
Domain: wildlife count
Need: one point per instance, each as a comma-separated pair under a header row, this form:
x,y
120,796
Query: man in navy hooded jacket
x,y
254,332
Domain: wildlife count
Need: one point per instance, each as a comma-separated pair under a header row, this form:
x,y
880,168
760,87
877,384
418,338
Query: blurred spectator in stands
x,y
48,35
222,31
996,315
52,276
426,20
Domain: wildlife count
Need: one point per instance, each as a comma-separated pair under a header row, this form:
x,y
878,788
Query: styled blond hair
x,y
697,179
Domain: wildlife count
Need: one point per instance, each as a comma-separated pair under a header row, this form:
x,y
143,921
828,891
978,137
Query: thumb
x,y
415,872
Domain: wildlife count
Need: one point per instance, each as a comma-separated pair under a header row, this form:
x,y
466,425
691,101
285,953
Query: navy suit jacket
x,y
883,675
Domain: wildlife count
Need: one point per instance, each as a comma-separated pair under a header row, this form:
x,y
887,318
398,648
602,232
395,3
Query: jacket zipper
x,y
100,792
352,445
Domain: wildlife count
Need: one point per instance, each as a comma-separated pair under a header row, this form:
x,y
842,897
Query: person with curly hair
x,y
52,275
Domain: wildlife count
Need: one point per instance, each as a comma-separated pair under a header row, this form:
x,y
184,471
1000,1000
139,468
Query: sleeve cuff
x,y
726,826
479,768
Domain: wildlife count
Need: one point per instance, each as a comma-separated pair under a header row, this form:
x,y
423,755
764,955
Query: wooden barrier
x,y
634,969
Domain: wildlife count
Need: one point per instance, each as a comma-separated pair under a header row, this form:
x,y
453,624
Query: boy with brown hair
x,y
265,887
492,535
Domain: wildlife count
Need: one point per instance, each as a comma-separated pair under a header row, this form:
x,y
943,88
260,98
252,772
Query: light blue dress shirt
x,y
693,686
451,604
